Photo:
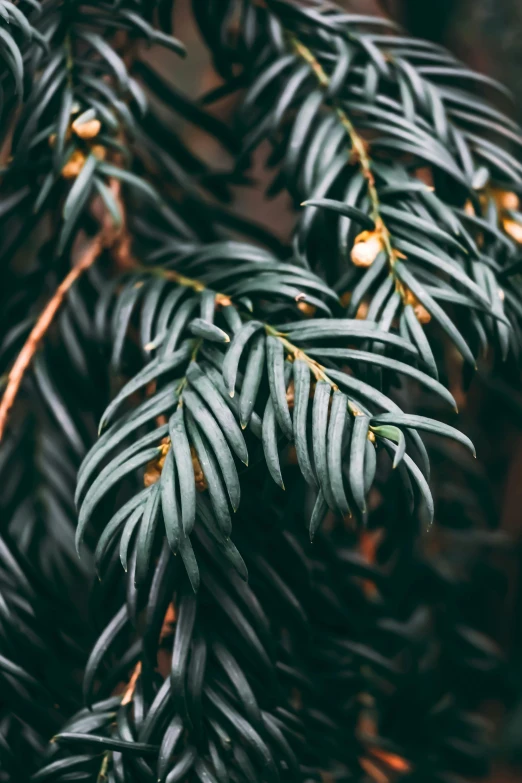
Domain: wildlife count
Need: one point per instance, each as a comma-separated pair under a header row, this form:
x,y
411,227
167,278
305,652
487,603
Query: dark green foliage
x,y
285,610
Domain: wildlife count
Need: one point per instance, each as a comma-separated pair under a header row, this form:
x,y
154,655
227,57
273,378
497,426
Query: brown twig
x,y
107,237
166,630
43,323
131,687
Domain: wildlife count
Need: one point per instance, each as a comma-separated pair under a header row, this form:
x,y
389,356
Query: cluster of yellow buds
x,y
85,127
75,163
199,476
507,200
154,468
367,246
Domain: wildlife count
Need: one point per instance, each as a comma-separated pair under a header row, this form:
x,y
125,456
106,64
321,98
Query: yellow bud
x,y
423,317
367,247
87,130
307,309
199,476
152,473
506,199
362,311
99,151
74,165
420,311
223,301
514,230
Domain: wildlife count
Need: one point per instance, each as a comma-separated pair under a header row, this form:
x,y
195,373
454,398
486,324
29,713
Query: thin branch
x,y
109,236
131,687
166,630
32,343
358,145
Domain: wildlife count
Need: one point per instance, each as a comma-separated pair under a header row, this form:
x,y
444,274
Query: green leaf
x,y
62,124
101,449
108,170
76,200
240,684
109,55
104,642
426,424
169,743
178,325
335,440
396,435
212,475
115,523
217,441
342,209
319,512
341,329
441,264
169,502
14,58
151,372
301,375
234,353
121,319
435,310
419,339
377,360
275,364
255,424
419,480
270,447
107,479
185,470
151,300
106,743
252,379
204,386
319,439
146,534
208,331
110,202
359,437
130,526
64,766
186,618
370,466
190,563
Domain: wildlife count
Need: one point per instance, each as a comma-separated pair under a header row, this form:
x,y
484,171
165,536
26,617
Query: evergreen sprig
x,y
273,385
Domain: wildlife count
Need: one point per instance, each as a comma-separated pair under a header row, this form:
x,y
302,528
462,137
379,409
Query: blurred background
x,y
487,35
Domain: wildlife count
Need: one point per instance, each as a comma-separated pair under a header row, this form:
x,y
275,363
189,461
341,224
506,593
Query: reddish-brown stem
x,y
43,323
107,237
